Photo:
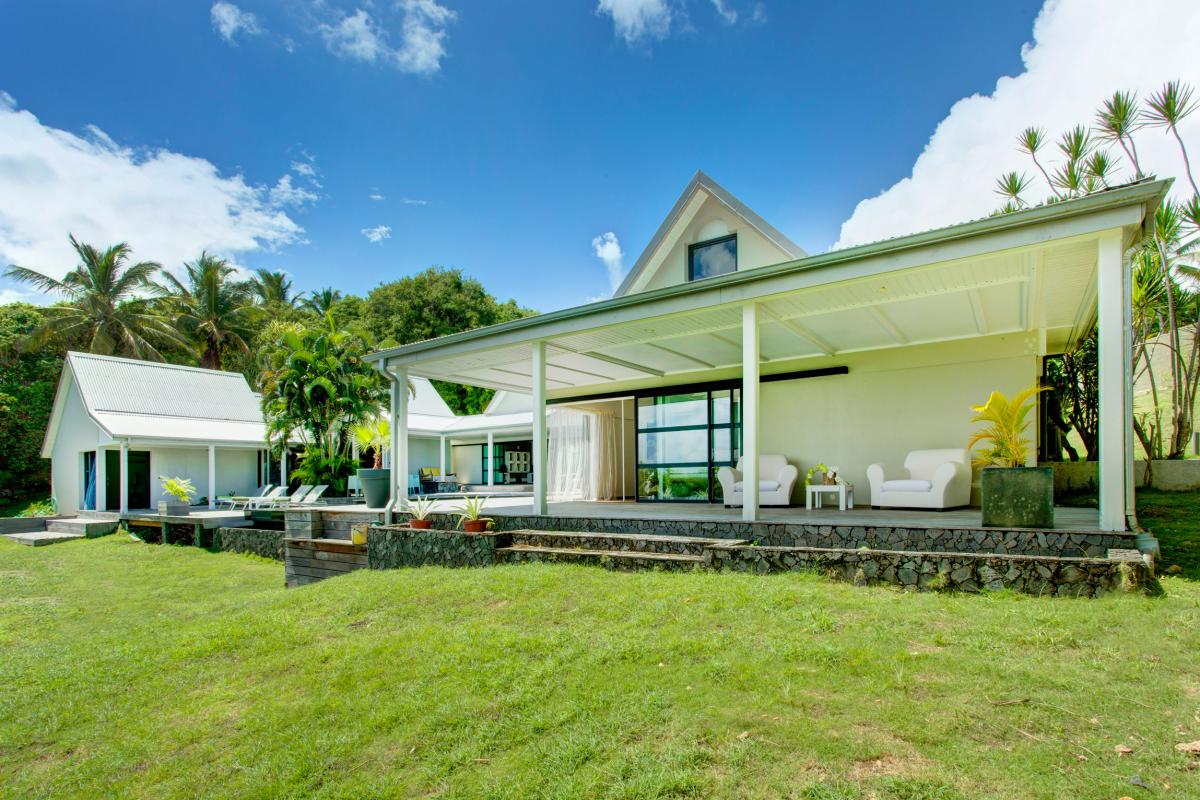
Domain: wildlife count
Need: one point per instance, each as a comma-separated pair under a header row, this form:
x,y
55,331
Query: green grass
x,y
134,670
1173,517
14,506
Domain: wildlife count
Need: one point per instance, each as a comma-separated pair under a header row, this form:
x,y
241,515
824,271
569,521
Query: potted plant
x,y
819,471
470,515
1014,495
418,511
179,492
375,435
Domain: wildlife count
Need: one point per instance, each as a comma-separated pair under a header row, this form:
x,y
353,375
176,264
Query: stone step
x,y
82,526
617,542
89,514
621,560
40,538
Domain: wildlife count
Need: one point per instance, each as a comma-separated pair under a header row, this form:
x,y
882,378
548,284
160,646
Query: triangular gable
x,y
704,198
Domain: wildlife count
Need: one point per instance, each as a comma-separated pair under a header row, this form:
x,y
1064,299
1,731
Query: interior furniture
x,y
775,480
937,479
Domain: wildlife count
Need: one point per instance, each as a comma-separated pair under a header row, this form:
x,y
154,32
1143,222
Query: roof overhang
x,y
1030,271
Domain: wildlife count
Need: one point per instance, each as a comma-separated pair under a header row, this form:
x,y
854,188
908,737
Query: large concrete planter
x,y
1020,497
173,508
375,486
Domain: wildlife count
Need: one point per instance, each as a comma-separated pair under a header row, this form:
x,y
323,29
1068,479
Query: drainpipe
x,y
394,387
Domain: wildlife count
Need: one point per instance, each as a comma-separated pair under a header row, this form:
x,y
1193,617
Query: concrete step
x,y
618,542
620,560
87,514
82,526
40,538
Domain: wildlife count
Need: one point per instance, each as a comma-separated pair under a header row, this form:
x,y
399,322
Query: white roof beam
x,y
620,362
981,321
888,325
800,330
698,361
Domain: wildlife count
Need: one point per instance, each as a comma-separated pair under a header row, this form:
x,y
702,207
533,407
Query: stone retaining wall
x,y
966,572
389,547
1077,544
256,541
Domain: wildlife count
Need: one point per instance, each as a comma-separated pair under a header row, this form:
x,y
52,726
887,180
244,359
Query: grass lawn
x,y
134,670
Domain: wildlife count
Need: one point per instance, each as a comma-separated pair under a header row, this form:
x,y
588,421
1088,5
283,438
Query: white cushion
x,y
906,486
763,486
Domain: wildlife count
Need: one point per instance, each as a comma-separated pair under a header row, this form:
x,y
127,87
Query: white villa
x,y
728,343
120,424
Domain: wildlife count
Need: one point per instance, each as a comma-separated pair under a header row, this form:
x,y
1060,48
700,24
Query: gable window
x,y
712,258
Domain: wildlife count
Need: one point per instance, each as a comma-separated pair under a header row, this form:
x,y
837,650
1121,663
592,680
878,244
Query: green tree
x,y
109,305
322,302
272,288
212,308
315,382
433,303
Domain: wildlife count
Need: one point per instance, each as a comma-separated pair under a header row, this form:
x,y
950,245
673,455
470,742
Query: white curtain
x,y
582,456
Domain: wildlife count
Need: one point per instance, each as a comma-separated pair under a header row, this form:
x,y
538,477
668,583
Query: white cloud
x,y
19,296
726,13
1083,51
360,37
228,20
637,19
376,195
607,248
412,201
167,205
377,234
285,193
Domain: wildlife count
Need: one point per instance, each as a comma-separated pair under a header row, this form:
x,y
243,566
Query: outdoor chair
x,y
266,500
314,496
242,499
283,499
775,480
937,479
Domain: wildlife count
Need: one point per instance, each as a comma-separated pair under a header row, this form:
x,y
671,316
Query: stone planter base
x,y
1021,497
168,508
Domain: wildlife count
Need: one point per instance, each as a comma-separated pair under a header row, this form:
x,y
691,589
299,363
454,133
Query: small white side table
x,y
817,492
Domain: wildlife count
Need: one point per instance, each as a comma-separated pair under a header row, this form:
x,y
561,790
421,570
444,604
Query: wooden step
x,y
623,560
618,542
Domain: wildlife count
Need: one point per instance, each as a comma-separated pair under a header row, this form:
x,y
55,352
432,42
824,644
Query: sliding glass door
x,y
683,437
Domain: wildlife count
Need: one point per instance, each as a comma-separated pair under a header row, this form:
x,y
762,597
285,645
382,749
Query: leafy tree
x,y
27,384
315,382
1166,298
322,302
211,308
433,303
109,306
272,288
1075,403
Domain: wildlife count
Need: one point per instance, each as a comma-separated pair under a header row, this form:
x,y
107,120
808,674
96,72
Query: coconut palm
x,y
321,303
109,304
212,308
272,287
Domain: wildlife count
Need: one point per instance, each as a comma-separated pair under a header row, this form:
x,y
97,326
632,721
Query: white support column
x,y
212,477
124,501
283,475
491,461
1113,361
1131,520
442,455
539,428
400,439
750,426
101,480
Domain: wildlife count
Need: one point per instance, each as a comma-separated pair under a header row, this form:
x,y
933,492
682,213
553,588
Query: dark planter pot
x,y
476,525
173,508
1017,497
420,524
375,486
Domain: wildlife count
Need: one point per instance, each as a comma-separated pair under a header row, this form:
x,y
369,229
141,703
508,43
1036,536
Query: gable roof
x,y
702,182
128,398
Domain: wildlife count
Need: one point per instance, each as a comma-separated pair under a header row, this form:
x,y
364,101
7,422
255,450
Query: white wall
x,y
76,434
892,401
237,470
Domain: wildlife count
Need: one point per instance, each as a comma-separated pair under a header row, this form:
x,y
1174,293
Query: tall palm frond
x,y
1117,120
322,302
272,287
211,307
1007,420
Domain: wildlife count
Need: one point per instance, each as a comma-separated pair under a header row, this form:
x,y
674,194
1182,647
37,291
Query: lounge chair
x,y
267,500
295,497
312,497
244,499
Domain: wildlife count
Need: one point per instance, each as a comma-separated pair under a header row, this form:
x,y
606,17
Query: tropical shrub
x,y
1007,420
182,489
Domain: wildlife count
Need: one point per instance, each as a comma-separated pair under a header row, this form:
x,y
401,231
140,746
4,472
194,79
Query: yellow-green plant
x,y
182,489
374,435
1004,436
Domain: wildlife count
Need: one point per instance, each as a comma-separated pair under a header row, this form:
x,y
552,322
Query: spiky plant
x,y
1007,420
1117,120
1167,108
1011,185
374,435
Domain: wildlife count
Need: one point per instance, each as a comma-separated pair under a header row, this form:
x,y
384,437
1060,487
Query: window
x,y
683,437
712,258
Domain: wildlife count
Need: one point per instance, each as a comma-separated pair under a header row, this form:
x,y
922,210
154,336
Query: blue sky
x,y
508,137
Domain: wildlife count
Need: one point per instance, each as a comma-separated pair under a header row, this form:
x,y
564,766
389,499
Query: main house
x,y
727,343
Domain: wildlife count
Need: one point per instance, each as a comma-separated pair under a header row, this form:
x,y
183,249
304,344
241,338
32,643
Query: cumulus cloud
x,y
634,20
360,37
167,205
1082,51
377,234
725,12
607,248
228,21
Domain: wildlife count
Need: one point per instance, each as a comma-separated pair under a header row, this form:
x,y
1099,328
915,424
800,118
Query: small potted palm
x,y
418,512
1013,495
470,515
374,435
179,493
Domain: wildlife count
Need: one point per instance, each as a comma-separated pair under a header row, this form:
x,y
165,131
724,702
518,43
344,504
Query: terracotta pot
x,y
420,524
475,525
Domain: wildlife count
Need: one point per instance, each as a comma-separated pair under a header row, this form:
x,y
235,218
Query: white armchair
x,y
929,479
775,480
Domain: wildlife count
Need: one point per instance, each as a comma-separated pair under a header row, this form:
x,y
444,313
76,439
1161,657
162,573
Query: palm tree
x,y
212,308
109,304
321,303
272,287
